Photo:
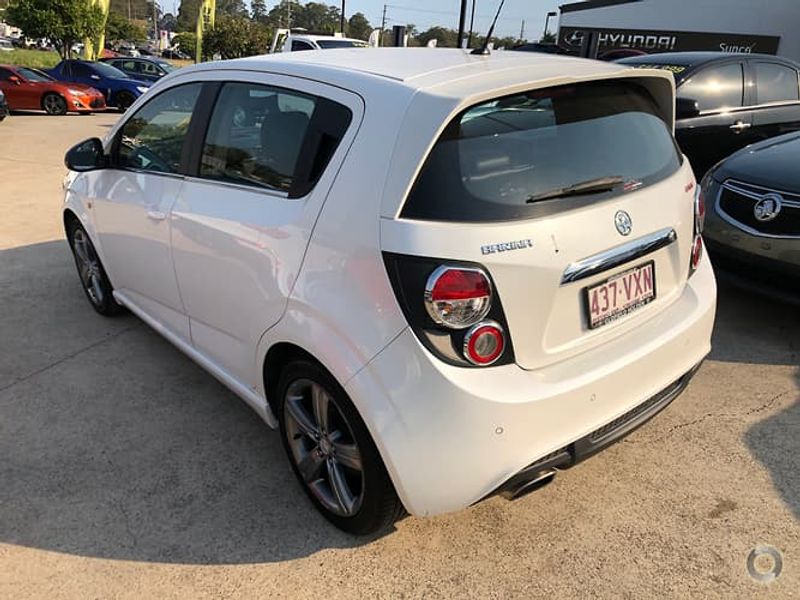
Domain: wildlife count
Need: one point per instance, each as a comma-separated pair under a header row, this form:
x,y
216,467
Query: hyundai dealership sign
x,y
617,28
649,41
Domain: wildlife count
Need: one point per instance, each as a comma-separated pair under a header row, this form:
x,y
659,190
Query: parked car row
x,y
81,86
31,89
738,121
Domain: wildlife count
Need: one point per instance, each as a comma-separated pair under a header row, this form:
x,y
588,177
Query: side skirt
x,y
250,396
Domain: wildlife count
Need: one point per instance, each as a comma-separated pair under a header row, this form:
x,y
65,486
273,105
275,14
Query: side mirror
x,y
86,156
686,108
15,80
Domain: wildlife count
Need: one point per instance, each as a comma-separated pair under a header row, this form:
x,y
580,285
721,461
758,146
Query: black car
x,y
144,68
175,55
752,226
727,101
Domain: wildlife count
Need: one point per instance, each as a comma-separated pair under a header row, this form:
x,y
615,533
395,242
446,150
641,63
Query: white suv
x,y
443,276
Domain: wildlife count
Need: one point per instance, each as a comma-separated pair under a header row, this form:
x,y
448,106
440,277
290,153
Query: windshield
x,y
328,44
33,74
107,70
502,159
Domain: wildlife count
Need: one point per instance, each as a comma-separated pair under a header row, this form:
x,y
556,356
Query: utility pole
x,y
462,20
471,23
289,14
383,24
155,23
341,24
522,31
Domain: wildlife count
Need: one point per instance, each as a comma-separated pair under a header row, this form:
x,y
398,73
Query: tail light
x,y
697,253
452,308
699,222
457,297
484,343
699,210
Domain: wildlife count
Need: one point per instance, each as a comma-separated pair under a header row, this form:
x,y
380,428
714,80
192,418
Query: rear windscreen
x,y
495,159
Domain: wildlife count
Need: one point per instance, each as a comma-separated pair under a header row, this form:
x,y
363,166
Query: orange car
x,y
31,89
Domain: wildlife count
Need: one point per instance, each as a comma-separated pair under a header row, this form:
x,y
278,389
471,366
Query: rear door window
x,y
776,83
496,159
715,88
257,132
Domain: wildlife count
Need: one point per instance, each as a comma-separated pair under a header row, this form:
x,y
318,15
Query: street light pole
x,y
341,25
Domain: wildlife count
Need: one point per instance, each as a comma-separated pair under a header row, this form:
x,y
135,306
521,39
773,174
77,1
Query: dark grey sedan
x,y
752,227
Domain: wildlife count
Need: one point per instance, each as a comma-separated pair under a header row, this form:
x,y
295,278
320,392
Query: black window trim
x,y
301,186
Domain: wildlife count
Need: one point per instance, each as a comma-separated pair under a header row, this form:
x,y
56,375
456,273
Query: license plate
x,y
620,295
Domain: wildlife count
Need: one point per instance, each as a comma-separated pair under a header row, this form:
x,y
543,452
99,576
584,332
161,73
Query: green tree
x,y
64,22
120,29
232,7
316,16
235,37
134,9
186,42
443,35
358,27
187,15
168,22
258,10
548,38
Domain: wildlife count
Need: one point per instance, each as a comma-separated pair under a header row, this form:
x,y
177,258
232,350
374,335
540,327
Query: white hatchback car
x,y
443,276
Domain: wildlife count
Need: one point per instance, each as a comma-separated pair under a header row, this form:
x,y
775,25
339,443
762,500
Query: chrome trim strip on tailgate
x,y
608,259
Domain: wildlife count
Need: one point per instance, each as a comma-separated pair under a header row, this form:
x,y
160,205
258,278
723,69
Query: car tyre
x,y
124,101
332,453
53,104
92,274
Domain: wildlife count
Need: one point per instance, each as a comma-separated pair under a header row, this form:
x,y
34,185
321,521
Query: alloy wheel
x,y
54,104
323,447
88,267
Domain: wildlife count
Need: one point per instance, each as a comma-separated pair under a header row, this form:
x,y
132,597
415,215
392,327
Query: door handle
x,y
156,215
740,126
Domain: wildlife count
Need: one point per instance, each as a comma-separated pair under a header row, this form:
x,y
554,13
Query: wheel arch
x,y
277,358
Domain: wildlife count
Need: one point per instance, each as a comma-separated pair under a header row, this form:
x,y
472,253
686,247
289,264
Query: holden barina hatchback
x,y
442,276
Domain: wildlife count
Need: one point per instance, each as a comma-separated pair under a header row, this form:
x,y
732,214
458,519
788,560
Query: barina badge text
x,y
506,246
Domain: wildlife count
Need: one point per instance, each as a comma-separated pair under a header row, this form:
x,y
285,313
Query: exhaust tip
x,y
538,481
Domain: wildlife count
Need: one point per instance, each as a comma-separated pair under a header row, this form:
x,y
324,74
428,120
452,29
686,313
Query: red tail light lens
x,y
484,343
699,210
697,253
458,297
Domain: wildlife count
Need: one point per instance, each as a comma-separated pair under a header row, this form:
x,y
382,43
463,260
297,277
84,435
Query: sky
x,y
426,13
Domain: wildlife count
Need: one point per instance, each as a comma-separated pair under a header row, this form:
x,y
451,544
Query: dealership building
x,y
635,26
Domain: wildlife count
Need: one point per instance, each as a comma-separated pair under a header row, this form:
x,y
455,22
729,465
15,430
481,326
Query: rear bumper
x,y
600,439
451,436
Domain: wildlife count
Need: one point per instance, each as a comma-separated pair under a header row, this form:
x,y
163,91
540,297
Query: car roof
x,y
418,68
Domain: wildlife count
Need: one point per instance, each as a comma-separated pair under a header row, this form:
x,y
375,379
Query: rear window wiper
x,y
590,186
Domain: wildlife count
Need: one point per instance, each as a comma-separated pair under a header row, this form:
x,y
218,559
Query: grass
x,y
41,59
